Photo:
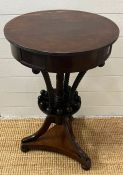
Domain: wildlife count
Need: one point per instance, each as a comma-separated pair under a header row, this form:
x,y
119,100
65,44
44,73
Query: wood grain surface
x,y
61,31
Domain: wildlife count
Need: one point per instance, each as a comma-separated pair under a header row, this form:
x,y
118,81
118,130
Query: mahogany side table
x,y
61,42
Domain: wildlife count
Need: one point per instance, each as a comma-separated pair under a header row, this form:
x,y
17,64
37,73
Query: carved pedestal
x,y
61,42
59,104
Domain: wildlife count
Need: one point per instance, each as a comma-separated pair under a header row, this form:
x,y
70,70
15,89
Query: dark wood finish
x,y
59,138
50,92
62,100
76,83
61,31
66,81
55,63
60,41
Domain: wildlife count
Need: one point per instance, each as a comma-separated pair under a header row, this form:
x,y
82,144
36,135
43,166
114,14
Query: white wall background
x,y
101,89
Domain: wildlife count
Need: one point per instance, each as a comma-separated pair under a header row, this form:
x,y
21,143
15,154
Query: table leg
x,y
59,104
58,138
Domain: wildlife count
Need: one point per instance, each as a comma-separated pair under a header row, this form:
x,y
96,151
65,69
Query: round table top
x,y
61,31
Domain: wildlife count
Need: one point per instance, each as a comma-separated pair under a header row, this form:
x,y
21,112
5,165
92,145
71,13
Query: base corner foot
x,y
24,148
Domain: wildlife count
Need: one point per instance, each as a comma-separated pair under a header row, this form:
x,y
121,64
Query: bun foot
x,y
24,148
59,138
87,164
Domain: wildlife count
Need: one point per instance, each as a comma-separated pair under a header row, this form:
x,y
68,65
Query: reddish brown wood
x,y
60,41
61,31
59,138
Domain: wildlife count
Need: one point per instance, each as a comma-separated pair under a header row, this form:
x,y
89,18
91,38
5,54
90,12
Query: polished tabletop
x,y
61,31
61,40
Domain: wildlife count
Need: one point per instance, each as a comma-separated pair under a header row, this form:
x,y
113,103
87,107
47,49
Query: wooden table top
x,y
61,31
61,40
